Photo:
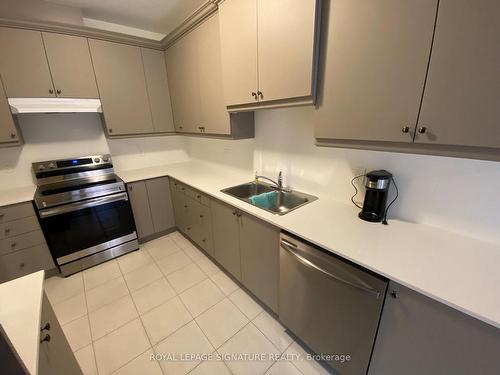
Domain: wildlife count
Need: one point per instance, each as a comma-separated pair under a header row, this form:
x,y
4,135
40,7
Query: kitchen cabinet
x,y
195,78
70,66
8,130
184,84
418,335
193,215
23,249
120,78
460,102
155,72
269,51
36,64
152,206
160,203
23,64
259,246
226,232
376,59
54,355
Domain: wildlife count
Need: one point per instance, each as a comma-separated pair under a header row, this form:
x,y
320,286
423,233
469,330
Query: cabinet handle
x,y
405,129
198,196
58,91
7,231
12,135
394,294
185,206
201,216
2,216
234,212
51,92
260,94
254,95
13,245
46,327
203,240
110,130
422,130
238,214
130,188
188,228
21,265
46,338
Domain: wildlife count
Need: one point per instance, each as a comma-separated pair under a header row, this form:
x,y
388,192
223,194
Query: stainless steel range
x,y
84,211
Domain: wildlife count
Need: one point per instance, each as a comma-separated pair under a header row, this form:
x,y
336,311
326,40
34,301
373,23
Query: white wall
x,y
460,195
55,136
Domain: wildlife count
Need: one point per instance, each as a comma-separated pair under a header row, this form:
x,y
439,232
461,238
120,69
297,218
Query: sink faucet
x,y
278,184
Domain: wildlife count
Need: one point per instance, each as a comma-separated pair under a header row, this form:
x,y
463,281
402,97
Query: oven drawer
x,y
17,227
24,262
23,241
16,211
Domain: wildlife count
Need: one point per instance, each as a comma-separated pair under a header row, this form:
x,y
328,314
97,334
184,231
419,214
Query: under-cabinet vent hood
x,y
53,105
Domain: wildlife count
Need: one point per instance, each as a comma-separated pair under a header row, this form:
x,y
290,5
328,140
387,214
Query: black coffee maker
x,y
377,190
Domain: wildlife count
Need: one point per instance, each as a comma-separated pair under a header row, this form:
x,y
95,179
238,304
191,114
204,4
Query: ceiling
x,y
160,16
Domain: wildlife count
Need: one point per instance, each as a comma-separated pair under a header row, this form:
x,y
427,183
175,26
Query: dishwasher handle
x,y
290,248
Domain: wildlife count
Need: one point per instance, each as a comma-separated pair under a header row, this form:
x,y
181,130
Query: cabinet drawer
x,y
197,196
17,211
24,262
17,227
22,241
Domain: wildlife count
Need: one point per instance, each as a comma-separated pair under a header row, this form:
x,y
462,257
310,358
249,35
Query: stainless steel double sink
x,y
279,202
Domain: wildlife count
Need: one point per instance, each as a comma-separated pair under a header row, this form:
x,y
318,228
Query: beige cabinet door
x,y
286,41
23,64
120,77
70,65
160,203
214,115
376,60
155,71
259,244
178,203
184,84
238,35
461,100
139,201
225,226
8,131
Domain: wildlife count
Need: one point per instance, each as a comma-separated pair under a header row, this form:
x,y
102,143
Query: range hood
x,y
53,105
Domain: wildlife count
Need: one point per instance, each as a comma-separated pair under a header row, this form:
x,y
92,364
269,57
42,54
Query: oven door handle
x,y
81,205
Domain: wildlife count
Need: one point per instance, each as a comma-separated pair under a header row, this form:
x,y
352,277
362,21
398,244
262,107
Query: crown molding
x,y
83,31
199,15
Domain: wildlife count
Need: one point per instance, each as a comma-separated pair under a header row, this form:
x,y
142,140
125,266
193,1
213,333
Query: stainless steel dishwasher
x,y
331,305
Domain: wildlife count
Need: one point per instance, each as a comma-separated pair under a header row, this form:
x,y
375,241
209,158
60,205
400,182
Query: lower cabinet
x,y
249,249
151,205
54,355
418,335
225,224
259,246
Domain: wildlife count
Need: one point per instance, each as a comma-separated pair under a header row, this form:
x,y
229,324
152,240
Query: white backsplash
x,y
460,195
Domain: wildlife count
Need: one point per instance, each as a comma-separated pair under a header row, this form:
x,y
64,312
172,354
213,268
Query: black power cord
x,y
356,189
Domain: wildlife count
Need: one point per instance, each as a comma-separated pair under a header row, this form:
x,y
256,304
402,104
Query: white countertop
x,y
457,270
20,314
17,195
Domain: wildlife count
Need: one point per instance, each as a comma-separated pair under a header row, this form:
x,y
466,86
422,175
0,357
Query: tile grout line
x,y
90,327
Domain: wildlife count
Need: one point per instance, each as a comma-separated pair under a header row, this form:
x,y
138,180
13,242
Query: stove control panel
x,y
65,164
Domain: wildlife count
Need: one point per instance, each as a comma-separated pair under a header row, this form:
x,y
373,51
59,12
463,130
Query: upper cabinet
x,y
70,65
375,65
23,64
8,130
122,85
195,79
461,99
155,72
269,52
34,64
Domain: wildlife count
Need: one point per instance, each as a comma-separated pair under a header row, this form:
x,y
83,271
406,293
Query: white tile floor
x,y
168,298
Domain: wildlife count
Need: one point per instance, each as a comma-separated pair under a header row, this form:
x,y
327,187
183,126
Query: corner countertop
x,y
20,314
459,271
17,195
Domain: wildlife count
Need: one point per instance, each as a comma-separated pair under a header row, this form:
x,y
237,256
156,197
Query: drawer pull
x,y
46,327
203,240
13,245
198,196
2,216
21,265
45,338
7,230
201,216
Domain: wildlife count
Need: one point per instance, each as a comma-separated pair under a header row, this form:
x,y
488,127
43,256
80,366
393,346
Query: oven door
x,y
84,228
